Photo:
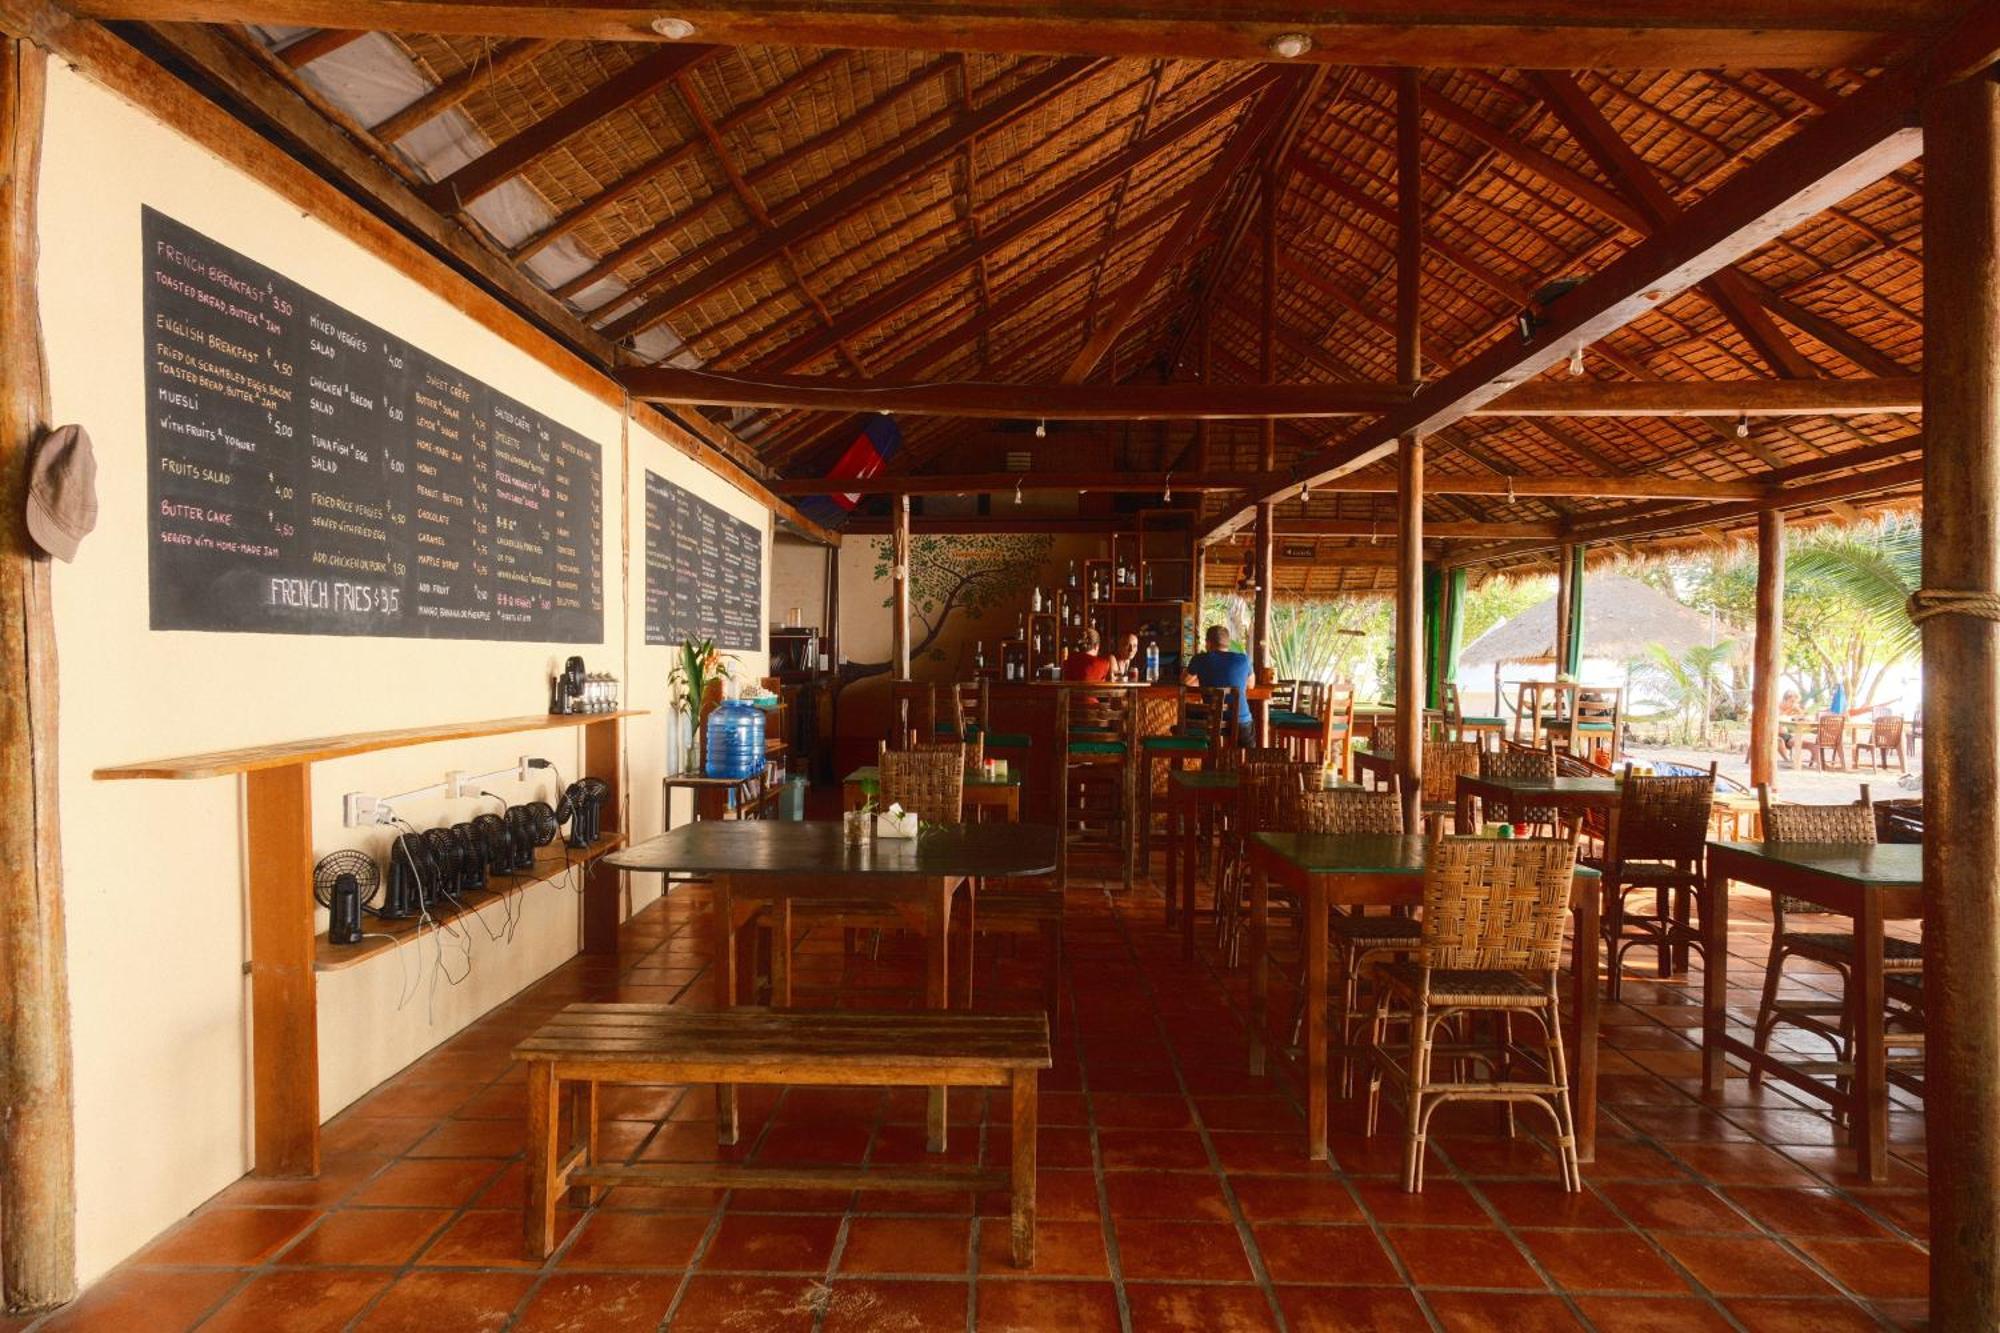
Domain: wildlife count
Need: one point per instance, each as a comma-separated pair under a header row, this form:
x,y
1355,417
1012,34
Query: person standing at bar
x,y
1220,668
1087,663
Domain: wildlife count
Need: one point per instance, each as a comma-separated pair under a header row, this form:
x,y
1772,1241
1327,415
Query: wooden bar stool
x,y
1189,733
1659,843
1097,729
912,713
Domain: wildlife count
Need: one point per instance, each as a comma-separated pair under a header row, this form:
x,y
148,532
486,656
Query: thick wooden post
x,y
899,584
1260,625
1565,591
37,1125
1768,660
1410,455
1962,699
1268,346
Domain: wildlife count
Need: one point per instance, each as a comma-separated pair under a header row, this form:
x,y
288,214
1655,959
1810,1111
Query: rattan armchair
x,y
1491,941
1846,825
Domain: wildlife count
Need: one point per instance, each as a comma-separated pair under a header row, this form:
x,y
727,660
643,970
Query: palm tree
x,y
1876,568
1689,682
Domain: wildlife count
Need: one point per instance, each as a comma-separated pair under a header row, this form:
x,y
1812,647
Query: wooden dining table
x,y
927,880
1565,795
1378,870
1870,884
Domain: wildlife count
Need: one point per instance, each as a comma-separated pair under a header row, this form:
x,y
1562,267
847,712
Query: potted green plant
x,y
698,673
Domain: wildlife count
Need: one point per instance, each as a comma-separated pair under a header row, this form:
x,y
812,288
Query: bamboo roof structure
x,y
979,225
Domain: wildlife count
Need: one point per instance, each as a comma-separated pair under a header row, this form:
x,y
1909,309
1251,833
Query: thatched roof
x,y
787,210
1622,619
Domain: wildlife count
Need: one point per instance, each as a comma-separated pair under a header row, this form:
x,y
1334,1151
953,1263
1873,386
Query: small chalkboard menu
x,y
704,571
311,474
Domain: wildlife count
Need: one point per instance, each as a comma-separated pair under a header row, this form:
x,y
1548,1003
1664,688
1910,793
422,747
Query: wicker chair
x,y
1267,800
1519,764
1848,825
1357,937
1444,763
1492,935
1661,844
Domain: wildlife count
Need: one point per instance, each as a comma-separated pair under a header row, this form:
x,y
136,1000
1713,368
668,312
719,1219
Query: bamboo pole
x,y
1768,658
899,587
1410,456
1962,700
1267,573
37,1118
1565,594
1268,344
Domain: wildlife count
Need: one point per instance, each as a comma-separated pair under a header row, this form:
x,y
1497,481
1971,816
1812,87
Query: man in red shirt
x,y
1087,664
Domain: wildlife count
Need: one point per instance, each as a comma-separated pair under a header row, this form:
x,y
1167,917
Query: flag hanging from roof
x,y
878,441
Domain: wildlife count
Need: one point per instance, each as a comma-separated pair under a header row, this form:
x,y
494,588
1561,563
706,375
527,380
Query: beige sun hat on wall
x,y
62,491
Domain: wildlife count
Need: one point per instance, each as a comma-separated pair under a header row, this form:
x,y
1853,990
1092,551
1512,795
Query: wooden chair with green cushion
x,y
1595,719
1097,729
1174,733
1300,717
1459,727
970,710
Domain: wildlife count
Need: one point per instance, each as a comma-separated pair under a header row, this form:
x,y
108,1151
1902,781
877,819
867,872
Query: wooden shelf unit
x,y
285,949
380,935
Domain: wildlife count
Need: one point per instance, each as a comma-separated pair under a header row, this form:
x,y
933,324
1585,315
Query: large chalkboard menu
x,y
311,474
704,571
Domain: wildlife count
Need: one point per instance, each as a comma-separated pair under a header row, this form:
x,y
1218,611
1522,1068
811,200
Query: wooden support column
x,y
1565,594
899,585
1260,625
1768,659
1268,351
37,1124
1962,699
1410,452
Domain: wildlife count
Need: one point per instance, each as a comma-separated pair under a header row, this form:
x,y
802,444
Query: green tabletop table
x,y
1869,884
1354,870
1564,795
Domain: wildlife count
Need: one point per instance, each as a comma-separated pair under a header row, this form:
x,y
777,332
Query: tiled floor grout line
x,y
1244,1234
1111,1259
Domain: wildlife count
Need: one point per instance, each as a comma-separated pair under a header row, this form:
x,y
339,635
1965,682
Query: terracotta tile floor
x,y
1174,1189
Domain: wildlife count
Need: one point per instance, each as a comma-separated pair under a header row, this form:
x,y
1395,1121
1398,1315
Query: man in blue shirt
x,y
1219,668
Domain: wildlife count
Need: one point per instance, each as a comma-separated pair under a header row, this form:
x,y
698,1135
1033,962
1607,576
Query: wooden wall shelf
x,y
222,763
380,936
286,956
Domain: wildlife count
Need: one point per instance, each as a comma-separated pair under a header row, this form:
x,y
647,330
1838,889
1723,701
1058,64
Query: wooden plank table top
x,y
1870,884
1382,870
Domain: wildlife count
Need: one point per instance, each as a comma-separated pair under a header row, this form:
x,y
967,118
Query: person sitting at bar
x,y
1219,668
1125,664
1087,663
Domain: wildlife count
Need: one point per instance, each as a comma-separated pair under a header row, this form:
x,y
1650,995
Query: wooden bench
x,y
587,1045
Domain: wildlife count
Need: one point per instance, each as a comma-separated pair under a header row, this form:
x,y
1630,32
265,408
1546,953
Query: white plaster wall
x,y
153,871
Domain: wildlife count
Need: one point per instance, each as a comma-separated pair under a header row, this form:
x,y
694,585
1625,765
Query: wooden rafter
x,y
454,90
831,211
302,51
1639,34
1637,486
640,79
1867,137
1185,401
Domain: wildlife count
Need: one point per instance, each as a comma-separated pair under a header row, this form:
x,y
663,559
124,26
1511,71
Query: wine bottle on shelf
x,y
1036,604
979,656
1072,575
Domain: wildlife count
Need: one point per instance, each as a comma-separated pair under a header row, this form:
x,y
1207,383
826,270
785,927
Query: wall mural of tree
x,y
967,574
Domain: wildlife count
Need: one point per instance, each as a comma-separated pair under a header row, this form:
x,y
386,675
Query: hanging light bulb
x,y
1576,360
1306,494
1167,496
1743,426
1041,430
1017,491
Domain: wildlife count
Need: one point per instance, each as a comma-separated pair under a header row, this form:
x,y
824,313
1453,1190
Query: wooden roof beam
x,y
1549,34
1867,137
1638,486
302,51
641,79
1186,401
454,90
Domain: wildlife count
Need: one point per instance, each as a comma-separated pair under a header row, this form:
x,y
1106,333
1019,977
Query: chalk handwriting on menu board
x,y
310,474
704,571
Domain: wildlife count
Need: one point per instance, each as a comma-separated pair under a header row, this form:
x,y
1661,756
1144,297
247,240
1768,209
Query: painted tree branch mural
x,y
966,573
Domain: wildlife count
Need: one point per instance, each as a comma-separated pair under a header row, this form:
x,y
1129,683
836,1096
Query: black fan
x,y
412,875
471,857
545,825
496,845
521,833
587,797
444,851
367,876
